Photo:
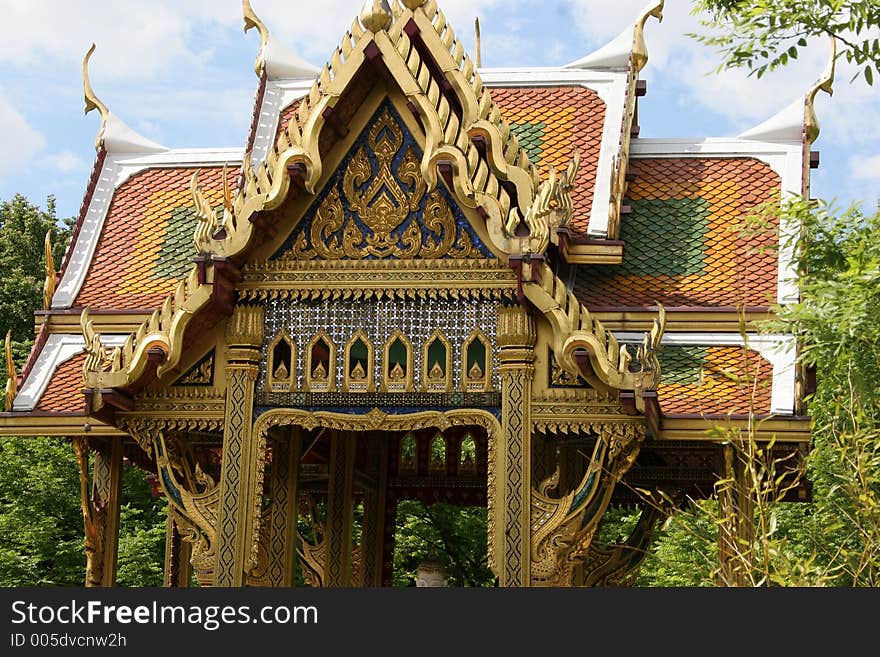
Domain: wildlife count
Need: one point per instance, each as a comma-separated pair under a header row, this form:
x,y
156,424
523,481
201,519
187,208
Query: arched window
x,y
437,463
467,458
408,454
320,371
282,363
397,369
436,364
359,358
475,363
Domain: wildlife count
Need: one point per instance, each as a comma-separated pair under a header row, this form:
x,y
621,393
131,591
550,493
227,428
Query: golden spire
x,y
640,48
412,5
252,20
479,53
11,375
824,83
376,15
92,101
51,274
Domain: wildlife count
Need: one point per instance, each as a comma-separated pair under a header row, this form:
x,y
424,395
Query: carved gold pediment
x,y
378,206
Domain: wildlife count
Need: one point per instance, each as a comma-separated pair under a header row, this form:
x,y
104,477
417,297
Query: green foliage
x,y
142,521
763,35
41,525
23,228
454,535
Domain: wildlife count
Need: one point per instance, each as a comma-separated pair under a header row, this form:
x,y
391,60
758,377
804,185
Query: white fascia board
x,y
116,170
611,87
277,95
778,349
58,349
783,157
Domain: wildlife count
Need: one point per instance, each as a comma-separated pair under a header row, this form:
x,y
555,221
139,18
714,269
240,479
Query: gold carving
x,y
200,375
92,100
376,15
640,48
383,207
11,375
251,20
562,530
824,83
51,279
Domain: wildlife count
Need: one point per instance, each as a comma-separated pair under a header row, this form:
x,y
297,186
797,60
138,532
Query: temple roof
x,y
658,219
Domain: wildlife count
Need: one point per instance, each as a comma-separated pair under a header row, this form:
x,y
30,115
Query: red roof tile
x,y
146,247
684,242
550,123
64,392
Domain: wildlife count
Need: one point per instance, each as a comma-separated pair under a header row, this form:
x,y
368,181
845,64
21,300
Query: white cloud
x,y
20,140
66,161
863,167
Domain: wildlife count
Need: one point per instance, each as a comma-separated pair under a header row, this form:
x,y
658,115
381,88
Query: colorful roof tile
x,y
63,394
685,244
146,244
550,123
702,380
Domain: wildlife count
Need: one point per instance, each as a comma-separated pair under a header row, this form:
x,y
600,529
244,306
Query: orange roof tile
x,y
550,123
714,380
684,243
63,394
146,245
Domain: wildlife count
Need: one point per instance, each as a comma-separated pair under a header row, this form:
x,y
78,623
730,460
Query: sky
x,y
180,72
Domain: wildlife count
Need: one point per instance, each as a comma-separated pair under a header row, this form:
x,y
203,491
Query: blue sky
x,y
180,72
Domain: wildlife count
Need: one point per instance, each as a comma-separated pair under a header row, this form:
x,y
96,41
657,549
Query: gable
x,y
376,205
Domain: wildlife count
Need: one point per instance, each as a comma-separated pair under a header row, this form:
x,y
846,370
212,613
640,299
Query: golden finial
x,y
478,50
640,48
11,375
51,274
252,20
376,15
412,5
824,83
227,193
92,101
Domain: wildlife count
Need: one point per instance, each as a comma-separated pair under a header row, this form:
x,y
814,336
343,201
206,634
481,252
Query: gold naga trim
x,y
196,501
11,375
824,83
640,47
92,101
551,209
563,528
251,20
575,329
51,279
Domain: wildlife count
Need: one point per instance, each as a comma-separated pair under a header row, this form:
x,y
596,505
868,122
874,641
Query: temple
x,y
420,278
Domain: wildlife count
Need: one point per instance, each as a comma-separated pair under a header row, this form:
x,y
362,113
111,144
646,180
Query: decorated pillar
x,y
241,474
736,528
178,568
100,498
513,482
283,491
340,509
375,501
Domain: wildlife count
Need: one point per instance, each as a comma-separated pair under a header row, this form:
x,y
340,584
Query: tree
x,y
23,228
763,35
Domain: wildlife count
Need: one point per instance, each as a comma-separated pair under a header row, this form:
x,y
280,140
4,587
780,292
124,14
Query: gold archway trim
x,y
377,420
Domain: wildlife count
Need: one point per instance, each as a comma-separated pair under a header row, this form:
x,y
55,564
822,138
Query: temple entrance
x,y
402,501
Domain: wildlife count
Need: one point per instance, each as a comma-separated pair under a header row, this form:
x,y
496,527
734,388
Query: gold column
x,y
283,491
340,507
178,568
736,529
374,509
100,499
513,482
241,477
